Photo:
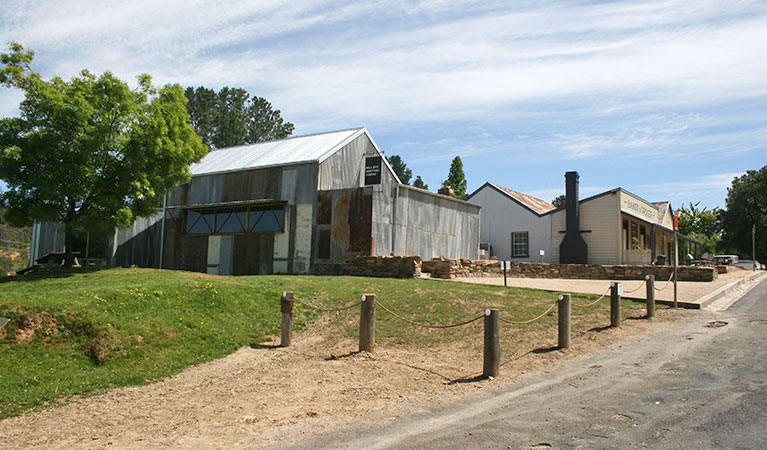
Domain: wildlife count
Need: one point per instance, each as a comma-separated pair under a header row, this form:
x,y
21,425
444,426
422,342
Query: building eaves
x,y
593,197
662,210
535,205
294,150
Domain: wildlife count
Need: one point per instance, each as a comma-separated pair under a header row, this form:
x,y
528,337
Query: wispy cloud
x,y
523,88
354,61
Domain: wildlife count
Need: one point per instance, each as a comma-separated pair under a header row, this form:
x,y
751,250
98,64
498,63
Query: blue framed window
x,y
253,219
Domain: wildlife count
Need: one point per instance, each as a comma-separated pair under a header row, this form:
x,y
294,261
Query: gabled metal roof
x,y
295,150
534,204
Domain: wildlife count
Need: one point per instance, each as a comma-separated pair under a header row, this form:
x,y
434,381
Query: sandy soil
x,y
270,396
688,291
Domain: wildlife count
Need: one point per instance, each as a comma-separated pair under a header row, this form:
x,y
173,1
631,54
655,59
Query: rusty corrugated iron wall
x,y
419,222
327,214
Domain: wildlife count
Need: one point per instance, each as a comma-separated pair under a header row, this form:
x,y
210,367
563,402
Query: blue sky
x,y
667,99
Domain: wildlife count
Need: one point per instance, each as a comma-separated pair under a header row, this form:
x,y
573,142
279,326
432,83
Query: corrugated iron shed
x,y
301,149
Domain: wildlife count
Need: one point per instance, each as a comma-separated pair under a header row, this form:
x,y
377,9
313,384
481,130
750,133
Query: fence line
x,y
594,302
492,354
667,283
634,290
428,325
327,309
524,322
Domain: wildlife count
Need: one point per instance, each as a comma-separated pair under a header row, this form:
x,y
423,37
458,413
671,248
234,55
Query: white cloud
x,y
333,63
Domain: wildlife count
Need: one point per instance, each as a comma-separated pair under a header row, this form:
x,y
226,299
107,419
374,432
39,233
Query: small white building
x,y
613,227
516,225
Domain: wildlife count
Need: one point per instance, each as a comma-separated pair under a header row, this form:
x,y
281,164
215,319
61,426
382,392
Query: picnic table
x,y
55,259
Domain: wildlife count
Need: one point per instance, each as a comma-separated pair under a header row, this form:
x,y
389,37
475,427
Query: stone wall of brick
x,y
453,268
372,266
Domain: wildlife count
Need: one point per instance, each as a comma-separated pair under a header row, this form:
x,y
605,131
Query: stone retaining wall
x,y
453,268
372,266
412,266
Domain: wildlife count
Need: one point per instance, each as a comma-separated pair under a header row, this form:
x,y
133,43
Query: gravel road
x,y
699,383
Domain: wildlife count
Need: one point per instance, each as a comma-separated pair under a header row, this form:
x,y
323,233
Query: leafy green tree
x,y
559,201
705,222
703,225
203,106
456,179
400,168
232,117
420,184
746,206
266,123
90,152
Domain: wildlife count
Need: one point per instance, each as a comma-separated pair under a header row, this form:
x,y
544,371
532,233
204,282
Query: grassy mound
x,y
79,332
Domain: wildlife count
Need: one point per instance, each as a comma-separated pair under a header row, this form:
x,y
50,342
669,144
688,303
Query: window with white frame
x,y
520,245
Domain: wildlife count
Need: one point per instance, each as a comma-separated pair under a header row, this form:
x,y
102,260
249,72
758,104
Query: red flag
x,y
676,220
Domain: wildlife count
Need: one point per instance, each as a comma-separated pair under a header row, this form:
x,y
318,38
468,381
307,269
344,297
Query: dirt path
x,y
693,384
273,396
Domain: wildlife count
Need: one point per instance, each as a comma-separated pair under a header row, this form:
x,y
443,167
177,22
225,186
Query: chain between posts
x,y
327,309
667,283
525,322
427,325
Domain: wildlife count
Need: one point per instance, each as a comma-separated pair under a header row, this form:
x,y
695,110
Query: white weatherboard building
x,y
613,227
516,225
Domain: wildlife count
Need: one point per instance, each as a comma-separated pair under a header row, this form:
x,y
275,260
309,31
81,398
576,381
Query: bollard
x,y
563,316
504,274
286,306
367,322
492,357
615,304
650,296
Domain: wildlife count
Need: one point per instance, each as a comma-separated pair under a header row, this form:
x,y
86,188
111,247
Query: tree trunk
x,y
69,241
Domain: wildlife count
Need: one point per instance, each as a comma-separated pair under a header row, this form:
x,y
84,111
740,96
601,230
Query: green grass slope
x,y
82,331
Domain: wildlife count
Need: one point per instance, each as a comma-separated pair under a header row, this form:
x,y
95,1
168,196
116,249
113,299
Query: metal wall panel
x,y
50,239
139,244
427,225
343,170
348,227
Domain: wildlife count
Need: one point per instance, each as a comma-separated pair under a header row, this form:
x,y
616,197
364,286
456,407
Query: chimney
x,y
573,249
447,190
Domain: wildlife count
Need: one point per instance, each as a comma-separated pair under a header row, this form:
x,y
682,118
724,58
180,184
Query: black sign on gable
x,y
373,170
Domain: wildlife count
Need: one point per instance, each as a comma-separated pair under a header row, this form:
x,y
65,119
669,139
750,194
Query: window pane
x,y
267,220
519,245
199,223
232,221
634,236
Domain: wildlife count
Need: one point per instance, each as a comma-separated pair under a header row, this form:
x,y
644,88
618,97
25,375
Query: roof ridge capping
x,y
320,133
534,204
279,152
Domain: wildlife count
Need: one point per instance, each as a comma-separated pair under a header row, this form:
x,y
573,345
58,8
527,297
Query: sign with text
x,y
639,208
373,170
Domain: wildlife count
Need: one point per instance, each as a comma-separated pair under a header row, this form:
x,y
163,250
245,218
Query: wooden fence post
x,y
367,322
650,296
563,316
615,304
492,356
286,306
